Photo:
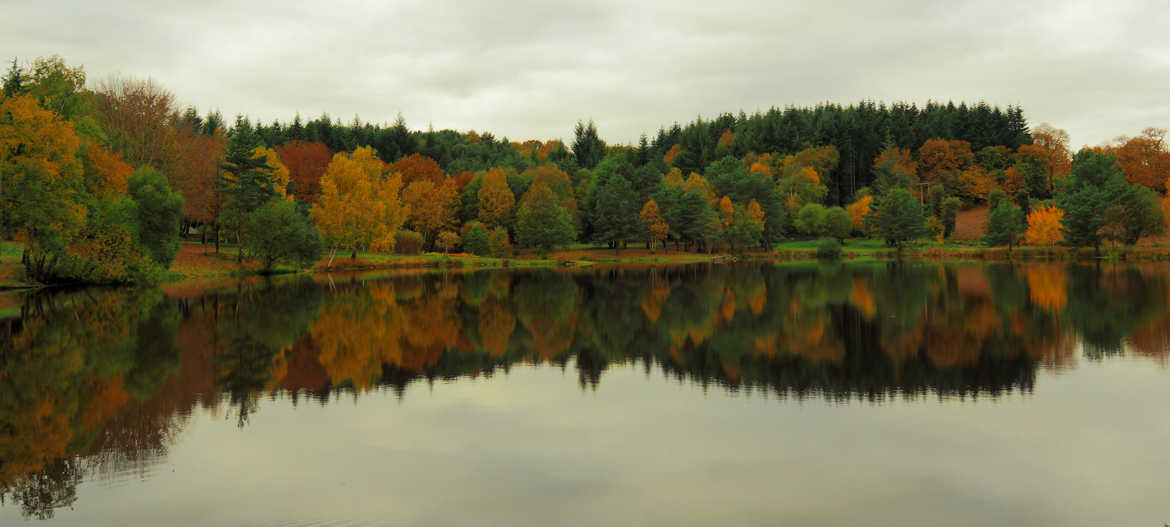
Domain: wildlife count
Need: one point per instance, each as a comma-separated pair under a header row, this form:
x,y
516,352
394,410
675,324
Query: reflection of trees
x,y
1106,306
101,380
72,363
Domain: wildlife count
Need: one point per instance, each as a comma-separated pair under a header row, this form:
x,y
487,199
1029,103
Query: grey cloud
x,y
530,69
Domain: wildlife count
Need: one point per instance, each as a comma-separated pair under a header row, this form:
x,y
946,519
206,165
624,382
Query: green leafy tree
x,y
160,211
838,223
475,240
995,197
542,222
1139,214
898,218
1005,226
950,213
278,233
810,220
1095,185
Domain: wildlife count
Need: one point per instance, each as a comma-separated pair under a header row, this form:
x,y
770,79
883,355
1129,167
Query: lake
x,y
794,394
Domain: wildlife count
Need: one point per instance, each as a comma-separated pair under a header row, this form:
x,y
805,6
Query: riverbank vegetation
x,y
99,182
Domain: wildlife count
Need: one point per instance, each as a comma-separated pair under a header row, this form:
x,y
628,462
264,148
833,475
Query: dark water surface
x,y
740,394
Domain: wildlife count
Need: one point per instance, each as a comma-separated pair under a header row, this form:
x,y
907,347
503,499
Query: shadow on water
x,y
101,381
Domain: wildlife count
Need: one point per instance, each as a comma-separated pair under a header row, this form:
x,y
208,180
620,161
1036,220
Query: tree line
x,y
99,182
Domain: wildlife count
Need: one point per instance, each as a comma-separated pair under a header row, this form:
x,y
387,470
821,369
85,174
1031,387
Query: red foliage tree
x,y
417,167
306,162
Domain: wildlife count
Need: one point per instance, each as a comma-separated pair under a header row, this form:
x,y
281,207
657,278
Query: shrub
x,y
829,249
811,219
500,243
277,232
160,210
448,240
950,212
837,223
476,241
408,242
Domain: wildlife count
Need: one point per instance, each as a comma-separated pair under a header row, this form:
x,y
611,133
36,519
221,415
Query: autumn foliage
x,y
306,162
1044,226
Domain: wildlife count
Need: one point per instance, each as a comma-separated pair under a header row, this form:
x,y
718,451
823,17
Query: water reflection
x,y
101,381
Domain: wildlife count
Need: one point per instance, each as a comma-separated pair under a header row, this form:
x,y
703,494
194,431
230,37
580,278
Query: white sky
x,y
530,69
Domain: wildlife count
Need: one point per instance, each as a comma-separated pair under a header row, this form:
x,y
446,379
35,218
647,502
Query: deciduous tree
x,y
655,227
897,218
1044,226
495,198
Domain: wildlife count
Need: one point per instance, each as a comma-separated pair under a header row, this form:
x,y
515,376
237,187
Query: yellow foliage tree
x,y
1044,226
495,198
358,208
858,210
431,209
656,226
279,172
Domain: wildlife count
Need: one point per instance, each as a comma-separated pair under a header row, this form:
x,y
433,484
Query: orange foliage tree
x,y
495,198
672,154
858,210
306,162
106,175
431,209
417,167
656,226
940,157
1054,141
1044,226
39,170
1144,159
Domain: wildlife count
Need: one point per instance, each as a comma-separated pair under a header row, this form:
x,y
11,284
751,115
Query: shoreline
x,y
200,271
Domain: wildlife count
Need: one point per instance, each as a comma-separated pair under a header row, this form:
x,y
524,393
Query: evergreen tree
x,y
542,222
245,181
587,146
616,212
1095,185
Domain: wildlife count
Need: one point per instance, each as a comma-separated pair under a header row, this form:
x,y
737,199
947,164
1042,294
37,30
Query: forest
x,y
101,182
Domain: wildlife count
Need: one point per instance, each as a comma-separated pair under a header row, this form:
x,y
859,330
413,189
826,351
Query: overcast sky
x,y
531,69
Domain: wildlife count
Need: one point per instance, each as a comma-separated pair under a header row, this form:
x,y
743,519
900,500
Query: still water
x,y
750,394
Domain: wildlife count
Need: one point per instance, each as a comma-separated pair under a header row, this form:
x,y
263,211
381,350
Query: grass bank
x,y
870,249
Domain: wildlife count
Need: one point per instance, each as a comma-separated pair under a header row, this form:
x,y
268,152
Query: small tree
x,y
838,223
1044,226
277,233
950,213
408,242
475,240
811,220
448,240
898,218
1005,226
500,242
160,210
656,227
995,197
